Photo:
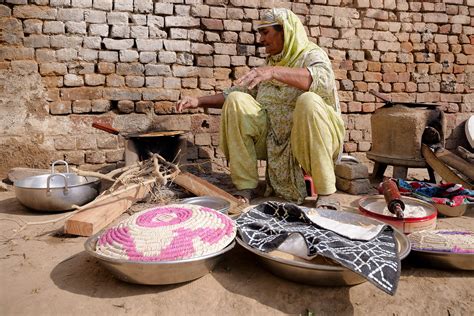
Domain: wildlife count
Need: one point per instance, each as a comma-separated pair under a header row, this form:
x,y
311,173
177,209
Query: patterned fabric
x,y
268,225
446,194
278,100
168,233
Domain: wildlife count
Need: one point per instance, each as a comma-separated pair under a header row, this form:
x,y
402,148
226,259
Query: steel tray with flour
x,y
308,272
373,206
156,273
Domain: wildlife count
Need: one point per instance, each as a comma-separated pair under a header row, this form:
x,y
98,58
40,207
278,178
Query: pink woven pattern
x,y
168,233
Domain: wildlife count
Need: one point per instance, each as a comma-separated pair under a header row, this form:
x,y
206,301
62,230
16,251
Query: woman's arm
x,y
296,77
211,101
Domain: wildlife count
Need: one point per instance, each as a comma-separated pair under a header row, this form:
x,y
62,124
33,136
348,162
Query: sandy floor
x,y
46,273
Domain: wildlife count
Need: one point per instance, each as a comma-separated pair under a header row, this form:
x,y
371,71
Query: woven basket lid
x,y
453,241
168,233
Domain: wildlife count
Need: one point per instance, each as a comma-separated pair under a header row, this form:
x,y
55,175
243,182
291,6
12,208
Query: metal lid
x,y
213,202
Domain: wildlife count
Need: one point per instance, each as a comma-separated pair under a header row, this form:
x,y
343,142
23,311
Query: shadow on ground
x,y
241,274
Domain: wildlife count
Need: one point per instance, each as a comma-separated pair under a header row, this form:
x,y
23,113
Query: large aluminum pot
x,y
56,191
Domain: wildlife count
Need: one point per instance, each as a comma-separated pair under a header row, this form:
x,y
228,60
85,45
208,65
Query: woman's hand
x,y
187,103
255,76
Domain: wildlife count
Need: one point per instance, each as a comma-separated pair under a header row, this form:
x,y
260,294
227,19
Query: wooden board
x,y
201,187
440,168
456,162
102,211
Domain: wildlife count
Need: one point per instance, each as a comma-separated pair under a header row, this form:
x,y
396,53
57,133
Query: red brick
x,y
372,76
390,77
213,24
83,93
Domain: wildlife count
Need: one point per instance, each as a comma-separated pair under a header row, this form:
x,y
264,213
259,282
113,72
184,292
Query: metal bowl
x,y
443,260
56,191
156,273
213,202
318,274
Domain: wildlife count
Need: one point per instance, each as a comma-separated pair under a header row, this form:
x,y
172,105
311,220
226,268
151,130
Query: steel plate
x,y
212,202
320,274
156,273
443,260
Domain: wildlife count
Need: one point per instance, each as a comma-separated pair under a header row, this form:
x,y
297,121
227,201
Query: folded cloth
x,y
266,226
345,224
451,194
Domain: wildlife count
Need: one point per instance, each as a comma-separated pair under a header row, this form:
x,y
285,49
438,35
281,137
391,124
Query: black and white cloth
x,y
266,226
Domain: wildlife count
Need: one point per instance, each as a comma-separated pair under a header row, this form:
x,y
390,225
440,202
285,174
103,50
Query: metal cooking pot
x,y
56,191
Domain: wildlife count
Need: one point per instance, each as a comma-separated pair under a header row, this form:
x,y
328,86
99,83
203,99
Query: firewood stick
x,y
92,174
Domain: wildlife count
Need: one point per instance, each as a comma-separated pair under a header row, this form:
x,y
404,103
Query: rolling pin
x,y
393,198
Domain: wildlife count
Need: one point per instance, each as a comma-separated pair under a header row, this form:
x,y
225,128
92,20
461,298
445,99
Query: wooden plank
x,y
201,187
440,168
99,213
456,162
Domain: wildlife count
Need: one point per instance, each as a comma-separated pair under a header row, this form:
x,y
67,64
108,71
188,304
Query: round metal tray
x,y
318,274
156,273
407,225
443,260
213,202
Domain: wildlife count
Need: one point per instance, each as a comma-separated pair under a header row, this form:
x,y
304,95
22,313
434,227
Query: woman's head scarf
x,y
295,39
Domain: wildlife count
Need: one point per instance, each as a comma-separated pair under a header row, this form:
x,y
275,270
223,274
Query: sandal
x,y
246,195
328,203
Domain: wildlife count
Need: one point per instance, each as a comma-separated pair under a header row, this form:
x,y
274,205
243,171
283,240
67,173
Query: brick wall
x,y
126,62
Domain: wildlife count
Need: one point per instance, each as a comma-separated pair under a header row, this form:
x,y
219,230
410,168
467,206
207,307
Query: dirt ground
x,y
45,272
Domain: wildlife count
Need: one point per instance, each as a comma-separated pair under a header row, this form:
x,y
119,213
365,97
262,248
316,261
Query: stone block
x,y
60,107
37,41
71,80
213,24
76,15
164,8
95,157
81,106
24,67
100,106
103,5
351,170
114,80
177,45
59,3
154,82
130,69
114,155
64,143
95,16
143,6
114,18
94,79
82,93
164,107
86,142
134,81
110,57
144,106
120,31
125,106
181,21
34,12
123,5
151,45
118,44
166,57
81,3
139,32
62,41
128,56
49,69
147,57
354,187
122,94
66,54
161,94
53,27
157,70
30,26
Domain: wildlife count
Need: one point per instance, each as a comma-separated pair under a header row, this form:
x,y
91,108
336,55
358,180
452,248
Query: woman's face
x,y
272,40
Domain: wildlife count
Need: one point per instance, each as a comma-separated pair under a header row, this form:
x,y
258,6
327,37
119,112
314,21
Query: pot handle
x,y
62,161
48,182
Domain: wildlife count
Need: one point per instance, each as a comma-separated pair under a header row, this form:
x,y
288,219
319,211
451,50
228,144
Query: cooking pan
x,y
109,129
56,191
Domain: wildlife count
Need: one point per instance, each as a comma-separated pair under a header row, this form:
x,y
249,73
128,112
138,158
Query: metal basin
x,y
212,202
318,274
56,191
157,273
443,260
